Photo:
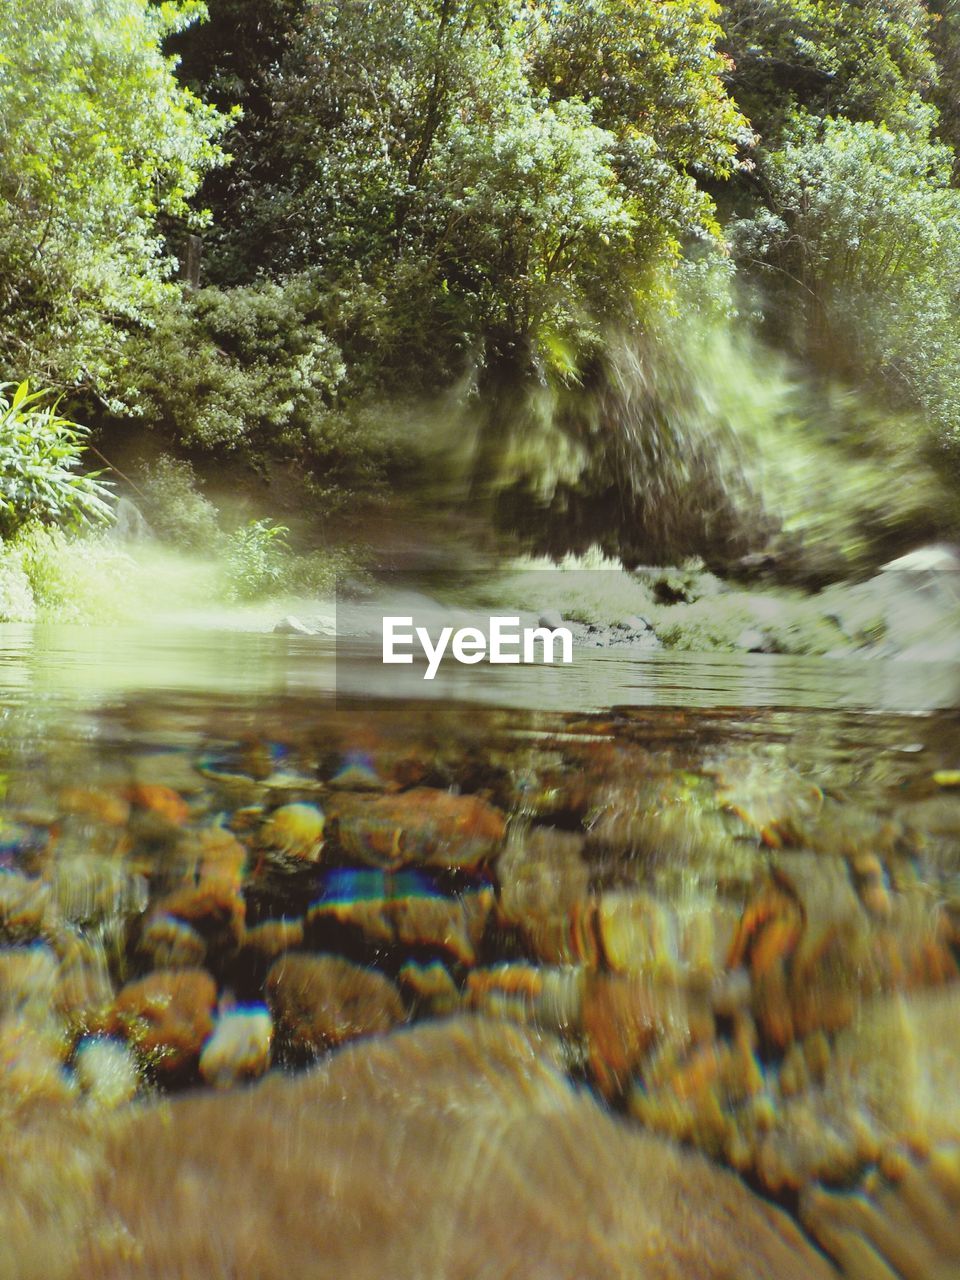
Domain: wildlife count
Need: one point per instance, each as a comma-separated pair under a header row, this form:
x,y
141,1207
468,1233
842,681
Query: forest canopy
x,y
241,225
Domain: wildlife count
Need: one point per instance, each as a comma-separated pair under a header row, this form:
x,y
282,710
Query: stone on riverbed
x,y
450,1150
106,1071
424,826
166,1017
320,1001
239,1048
452,926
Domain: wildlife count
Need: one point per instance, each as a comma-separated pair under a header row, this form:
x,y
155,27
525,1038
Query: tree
x,y
859,243
425,162
864,59
98,144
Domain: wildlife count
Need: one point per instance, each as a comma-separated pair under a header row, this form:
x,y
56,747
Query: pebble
x,y
167,1017
239,1048
320,1001
106,1071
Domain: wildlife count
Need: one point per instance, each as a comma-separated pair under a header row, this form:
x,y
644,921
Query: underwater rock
x,y
448,1150
31,1067
270,938
239,1048
890,1080
84,991
101,806
432,922
165,806
624,1016
294,831
172,944
28,978
430,986
320,1001
27,911
106,1071
214,853
901,1225
548,998
423,826
166,1017
91,889
815,951
543,878
214,908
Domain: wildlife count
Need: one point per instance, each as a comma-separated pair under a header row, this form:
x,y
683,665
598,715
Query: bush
x,y
175,509
258,561
40,459
46,573
244,369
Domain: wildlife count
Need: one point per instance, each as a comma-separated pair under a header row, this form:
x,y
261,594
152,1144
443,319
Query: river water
x,y
726,889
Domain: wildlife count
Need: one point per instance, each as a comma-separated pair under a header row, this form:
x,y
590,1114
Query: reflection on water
x,y
90,664
691,920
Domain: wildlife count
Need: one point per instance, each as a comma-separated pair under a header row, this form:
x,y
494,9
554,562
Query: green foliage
x,y
859,242
255,556
40,458
98,142
173,506
47,574
459,201
246,368
258,561
863,59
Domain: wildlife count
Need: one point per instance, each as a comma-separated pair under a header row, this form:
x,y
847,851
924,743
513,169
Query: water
x,y
725,889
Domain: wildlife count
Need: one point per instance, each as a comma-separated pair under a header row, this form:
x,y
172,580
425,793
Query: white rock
x,y
937,556
239,1048
106,1071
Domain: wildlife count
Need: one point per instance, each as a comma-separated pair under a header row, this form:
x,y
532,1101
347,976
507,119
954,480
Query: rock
x,y
84,992
424,826
544,879
166,1017
91,889
295,831
172,944
271,938
31,1068
213,853
165,807
101,806
752,640
935,558
432,922
548,998
623,1018
890,1080
26,908
430,986
214,909
239,1048
633,622
292,626
551,618
106,1071
320,1001
447,1150
28,978
902,1223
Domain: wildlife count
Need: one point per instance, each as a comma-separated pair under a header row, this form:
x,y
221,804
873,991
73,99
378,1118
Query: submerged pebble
x,y
239,1048
106,1071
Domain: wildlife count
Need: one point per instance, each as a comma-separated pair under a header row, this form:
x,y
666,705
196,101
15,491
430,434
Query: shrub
x,y
40,459
245,369
175,509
